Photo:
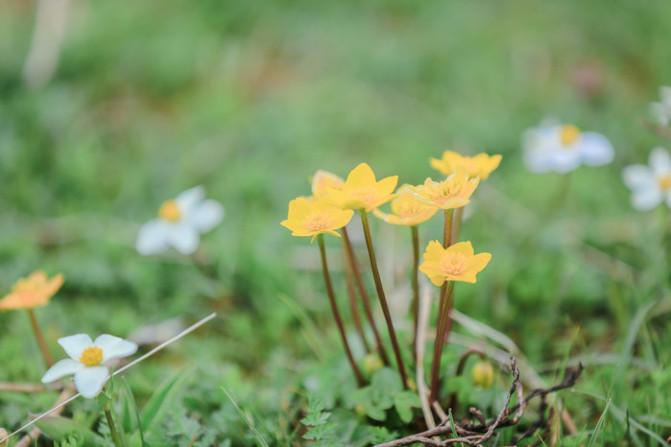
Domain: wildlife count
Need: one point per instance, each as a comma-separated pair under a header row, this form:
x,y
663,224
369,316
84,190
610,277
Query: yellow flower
x,y
407,209
480,165
455,263
362,191
311,217
31,292
324,181
453,192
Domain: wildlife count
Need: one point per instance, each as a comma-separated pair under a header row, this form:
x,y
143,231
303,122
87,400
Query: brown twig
x,y
11,387
475,434
420,343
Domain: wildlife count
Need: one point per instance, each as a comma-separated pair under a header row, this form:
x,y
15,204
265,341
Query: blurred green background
x,y
249,98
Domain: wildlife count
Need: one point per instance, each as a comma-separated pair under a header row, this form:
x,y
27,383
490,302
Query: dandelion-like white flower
x,y
563,148
181,222
87,361
661,111
650,185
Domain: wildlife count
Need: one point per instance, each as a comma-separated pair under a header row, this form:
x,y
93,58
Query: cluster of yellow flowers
x,y
333,202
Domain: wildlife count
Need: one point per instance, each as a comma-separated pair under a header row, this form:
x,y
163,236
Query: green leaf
x,y
59,428
385,384
315,415
404,402
164,398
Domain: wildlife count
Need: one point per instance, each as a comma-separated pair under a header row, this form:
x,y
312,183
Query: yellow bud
x,y
411,384
360,410
372,363
483,374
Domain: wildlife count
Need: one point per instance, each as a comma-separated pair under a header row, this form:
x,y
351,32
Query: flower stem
x,y
414,231
116,437
443,315
444,308
368,310
336,312
383,298
39,336
354,306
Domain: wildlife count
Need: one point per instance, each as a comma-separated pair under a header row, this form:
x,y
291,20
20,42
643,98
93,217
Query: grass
x,y
249,99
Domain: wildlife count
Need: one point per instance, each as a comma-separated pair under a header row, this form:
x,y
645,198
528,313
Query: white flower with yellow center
x,y
180,223
563,148
650,185
87,361
661,111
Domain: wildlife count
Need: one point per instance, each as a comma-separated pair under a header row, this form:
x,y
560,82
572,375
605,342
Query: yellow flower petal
x,y
480,165
361,175
453,192
480,261
464,248
362,191
455,263
323,181
310,217
407,209
34,291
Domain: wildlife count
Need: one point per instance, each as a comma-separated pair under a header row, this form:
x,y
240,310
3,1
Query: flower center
x,y
664,182
568,135
170,211
317,222
92,356
454,265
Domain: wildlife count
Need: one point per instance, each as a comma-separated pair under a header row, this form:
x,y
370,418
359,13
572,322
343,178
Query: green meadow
x,y
249,99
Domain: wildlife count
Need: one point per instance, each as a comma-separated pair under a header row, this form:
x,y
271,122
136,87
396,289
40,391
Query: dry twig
x,y
478,432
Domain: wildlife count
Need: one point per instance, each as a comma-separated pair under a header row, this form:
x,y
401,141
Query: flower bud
x,y
372,363
483,374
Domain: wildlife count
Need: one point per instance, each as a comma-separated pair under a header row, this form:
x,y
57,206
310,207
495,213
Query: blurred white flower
x,y
87,361
180,223
650,185
661,111
563,148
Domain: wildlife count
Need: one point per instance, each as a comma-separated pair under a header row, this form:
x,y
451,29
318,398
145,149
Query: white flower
x,y
180,223
563,148
87,361
661,111
650,185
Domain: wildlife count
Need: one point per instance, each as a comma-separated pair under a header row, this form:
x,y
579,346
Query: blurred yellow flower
x,y
455,263
311,217
407,209
323,181
480,165
361,190
453,192
31,292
